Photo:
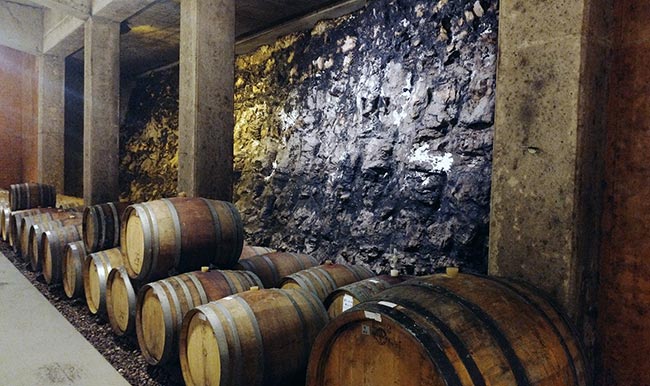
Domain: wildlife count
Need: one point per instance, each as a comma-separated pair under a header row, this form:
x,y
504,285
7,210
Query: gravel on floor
x,y
122,352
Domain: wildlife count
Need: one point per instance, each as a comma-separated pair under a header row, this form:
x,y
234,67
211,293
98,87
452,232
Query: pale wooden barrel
x,y
120,301
95,273
74,257
35,239
15,219
271,268
5,212
255,338
180,233
350,295
251,250
52,249
67,217
162,305
462,330
102,225
324,279
29,195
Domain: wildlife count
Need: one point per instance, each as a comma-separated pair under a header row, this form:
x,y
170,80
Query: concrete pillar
x,y
101,110
548,149
51,126
206,121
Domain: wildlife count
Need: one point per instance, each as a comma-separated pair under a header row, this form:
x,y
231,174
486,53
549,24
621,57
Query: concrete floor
x,y
38,346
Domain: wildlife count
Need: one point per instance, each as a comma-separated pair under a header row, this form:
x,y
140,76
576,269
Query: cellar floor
x,y
38,346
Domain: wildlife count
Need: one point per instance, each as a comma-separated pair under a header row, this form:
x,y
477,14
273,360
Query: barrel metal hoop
x,y
28,196
116,225
274,271
220,336
199,288
332,284
238,226
216,223
151,248
304,284
231,284
186,292
102,274
100,231
237,348
261,354
170,329
459,346
306,344
424,336
518,369
177,231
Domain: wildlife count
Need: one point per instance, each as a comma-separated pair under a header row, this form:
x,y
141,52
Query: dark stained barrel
x,y
101,224
444,330
271,268
27,196
324,279
250,251
350,295
163,304
255,338
180,233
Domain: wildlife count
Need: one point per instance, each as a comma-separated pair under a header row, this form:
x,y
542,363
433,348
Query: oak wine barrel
x,y
52,248
29,195
255,338
162,304
120,301
15,218
462,330
73,259
96,268
324,279
101,225
64,218
271,268
5,212
35,239
250,251
350,295
181,233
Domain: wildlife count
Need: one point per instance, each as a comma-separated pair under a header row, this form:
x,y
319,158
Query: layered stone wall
x,y
369,135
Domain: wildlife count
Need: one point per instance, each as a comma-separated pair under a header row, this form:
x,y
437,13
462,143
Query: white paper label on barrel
x,y
348,302
387,304
374,281
373,316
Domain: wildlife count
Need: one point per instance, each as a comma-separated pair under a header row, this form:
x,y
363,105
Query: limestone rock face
x,y
372,133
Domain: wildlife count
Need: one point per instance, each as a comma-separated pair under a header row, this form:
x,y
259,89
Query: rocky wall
x,y
369,135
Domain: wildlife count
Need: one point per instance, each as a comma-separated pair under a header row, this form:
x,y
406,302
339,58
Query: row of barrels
x,y
225,328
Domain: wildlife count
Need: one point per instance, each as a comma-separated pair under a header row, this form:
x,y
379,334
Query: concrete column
x,y
101,110
206,121
51,126
548,149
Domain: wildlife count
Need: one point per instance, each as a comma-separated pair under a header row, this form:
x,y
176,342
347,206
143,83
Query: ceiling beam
x,y
21,27
65,37
77,8
118,10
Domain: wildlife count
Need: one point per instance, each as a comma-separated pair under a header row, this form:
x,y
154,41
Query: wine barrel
x,y
181,233
161,306
73,259
96,268
120,301
27,196
4,222
35,239
350,295
102,226
462,330
15,219
271,268
66,217
324,279
256,338
250,251
52,248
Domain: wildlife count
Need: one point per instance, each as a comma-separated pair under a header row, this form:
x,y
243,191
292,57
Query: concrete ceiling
x,y
25,2
153,35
